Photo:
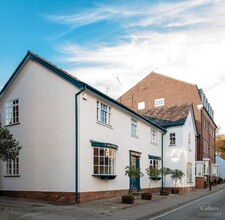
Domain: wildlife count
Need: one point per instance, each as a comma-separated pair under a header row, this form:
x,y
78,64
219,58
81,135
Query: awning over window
x,y
154,157
103,144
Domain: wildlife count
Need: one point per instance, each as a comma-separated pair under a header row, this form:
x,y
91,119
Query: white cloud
x,y
193,49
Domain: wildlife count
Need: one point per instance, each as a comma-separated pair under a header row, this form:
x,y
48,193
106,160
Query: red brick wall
x,y
174,92
69,197
54,197
199,182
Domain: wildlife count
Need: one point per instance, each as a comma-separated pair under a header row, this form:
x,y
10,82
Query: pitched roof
x,y
70,78
168,116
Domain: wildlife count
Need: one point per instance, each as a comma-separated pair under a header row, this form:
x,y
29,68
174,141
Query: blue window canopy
x,y
103,144
105,176
154,157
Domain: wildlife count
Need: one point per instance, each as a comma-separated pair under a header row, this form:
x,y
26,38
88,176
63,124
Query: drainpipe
x,y
76,145
162,159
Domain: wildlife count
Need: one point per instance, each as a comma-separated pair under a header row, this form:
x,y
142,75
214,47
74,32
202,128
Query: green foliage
x,y
9,147
165,171
133,172
177,175
153,172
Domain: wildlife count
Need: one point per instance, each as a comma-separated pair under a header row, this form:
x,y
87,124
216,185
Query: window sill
x,y
189,182
135,136
105,176
105,125
12,124
12,175
172,145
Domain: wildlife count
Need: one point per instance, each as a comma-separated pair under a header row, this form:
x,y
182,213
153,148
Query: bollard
x,y
210,185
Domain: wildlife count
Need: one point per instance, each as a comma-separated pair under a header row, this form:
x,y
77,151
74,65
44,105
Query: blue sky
x,y
102,41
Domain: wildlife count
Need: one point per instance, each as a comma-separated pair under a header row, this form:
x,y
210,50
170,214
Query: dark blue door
x,y
135,184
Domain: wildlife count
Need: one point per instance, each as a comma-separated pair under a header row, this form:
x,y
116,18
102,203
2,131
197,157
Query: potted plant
x,y
153,173
165,171
177,175
133,173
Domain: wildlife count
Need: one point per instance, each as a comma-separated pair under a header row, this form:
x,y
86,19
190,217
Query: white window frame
x,y
133,127
12,112
172,138
159,102
154,136
103,113
12,167
199,168
154,163
104,161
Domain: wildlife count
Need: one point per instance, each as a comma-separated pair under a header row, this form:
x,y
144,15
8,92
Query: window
x,y
133,127
155,163
154,138
159,102
104,161
12,112
189,141
206,167
172,139
103,113
199,168
141,105
189,172
12,167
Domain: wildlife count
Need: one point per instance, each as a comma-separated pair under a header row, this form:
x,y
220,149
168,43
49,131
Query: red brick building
x,y
157,90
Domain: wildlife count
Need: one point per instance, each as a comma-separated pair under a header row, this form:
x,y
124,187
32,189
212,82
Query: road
x,y
210,207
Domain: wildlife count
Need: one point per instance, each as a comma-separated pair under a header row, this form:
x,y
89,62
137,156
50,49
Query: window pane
x,y
95,160
103,160
96,151
101,151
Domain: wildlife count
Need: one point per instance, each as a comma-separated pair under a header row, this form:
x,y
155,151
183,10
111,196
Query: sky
x,y
112,44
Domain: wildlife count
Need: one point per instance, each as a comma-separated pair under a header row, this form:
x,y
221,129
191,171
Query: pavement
x,y
111,209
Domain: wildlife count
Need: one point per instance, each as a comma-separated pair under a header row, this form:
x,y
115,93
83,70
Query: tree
x,y
220,145
177,175
165,171
133,172
9,147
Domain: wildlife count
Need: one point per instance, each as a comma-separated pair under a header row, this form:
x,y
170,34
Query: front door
x,y
135,161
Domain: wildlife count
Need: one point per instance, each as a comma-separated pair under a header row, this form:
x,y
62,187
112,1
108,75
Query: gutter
x,y
77,146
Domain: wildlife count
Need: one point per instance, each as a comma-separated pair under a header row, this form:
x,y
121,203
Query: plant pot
x,y
155,178
128,199
164,193
175,191
146,196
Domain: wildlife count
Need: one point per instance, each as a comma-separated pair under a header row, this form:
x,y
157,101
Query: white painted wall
x,y
47,135
177,157
45,132
119,134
